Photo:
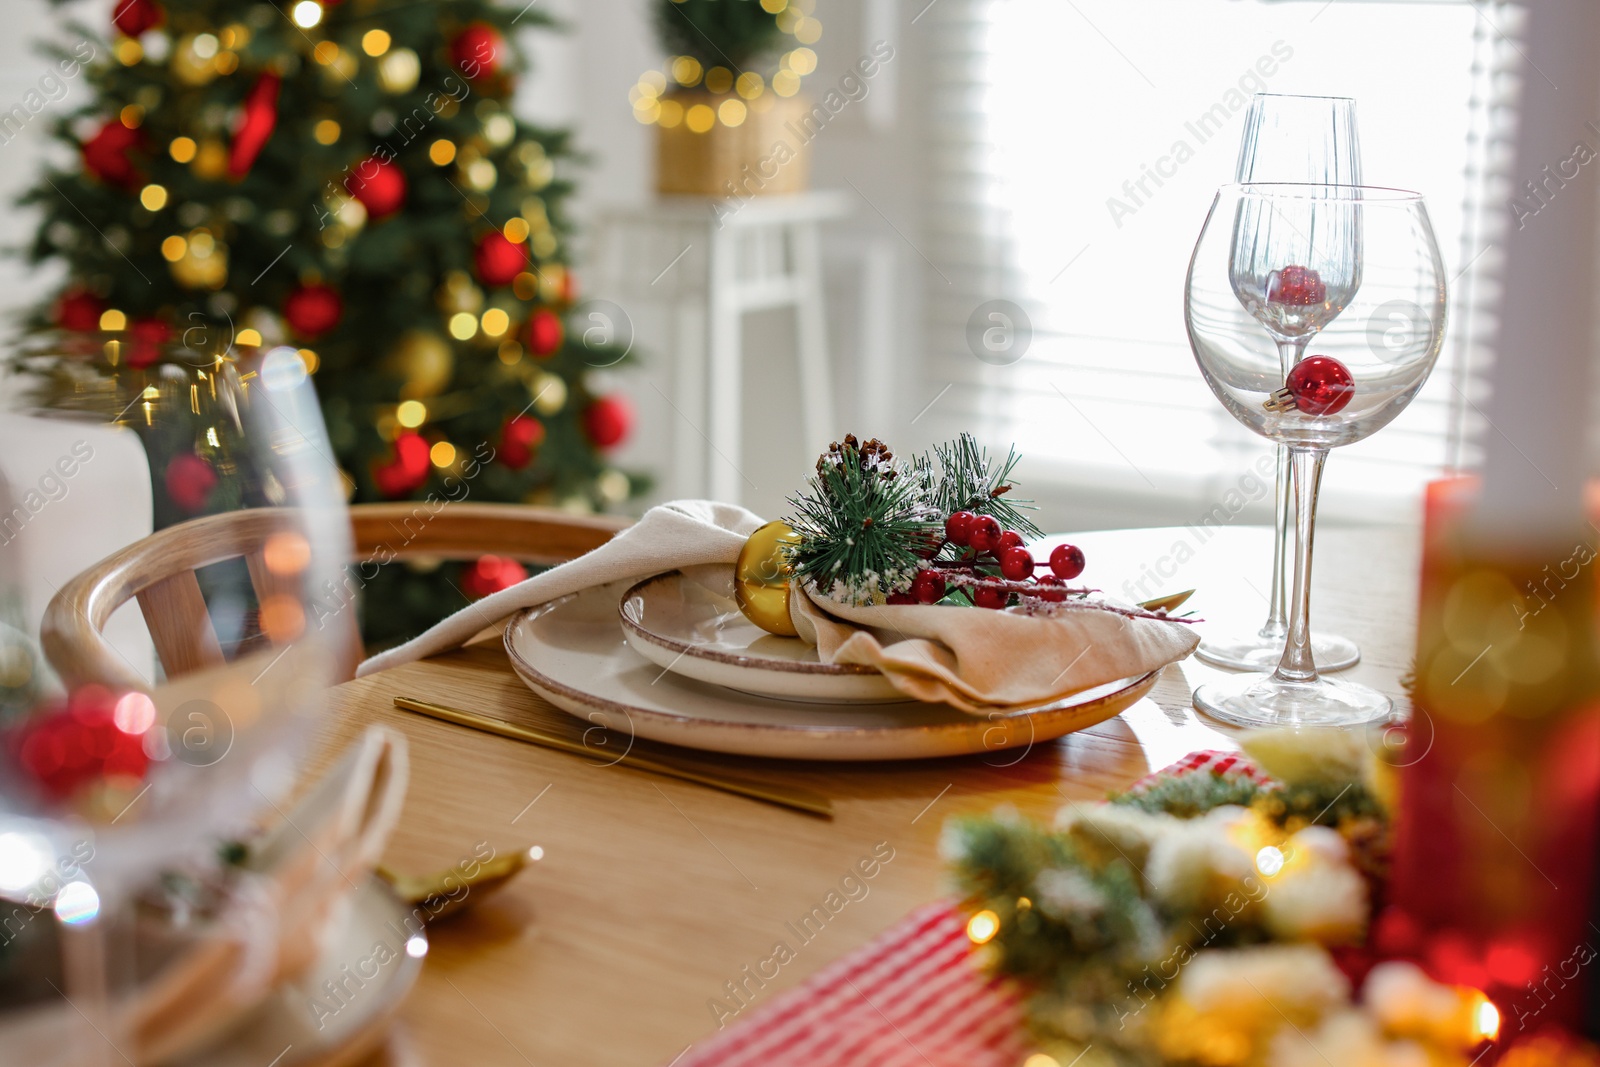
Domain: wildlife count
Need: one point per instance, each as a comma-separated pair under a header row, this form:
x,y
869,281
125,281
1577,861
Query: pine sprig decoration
x,y
959,476
860,524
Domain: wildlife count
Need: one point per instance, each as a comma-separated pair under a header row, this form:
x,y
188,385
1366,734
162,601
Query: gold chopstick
x,y
784,796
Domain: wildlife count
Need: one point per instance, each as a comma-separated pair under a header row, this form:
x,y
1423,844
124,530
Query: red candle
x,y
1496,839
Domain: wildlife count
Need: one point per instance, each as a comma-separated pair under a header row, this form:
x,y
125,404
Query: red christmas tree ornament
x,y
94,736
259,118
498,259
520,439
476,50
144,342
407,471
379,186
1318,385
1067,561
79,309
545,332
491,574
312,310
1296,287
189,481
133,17
608,420
109,155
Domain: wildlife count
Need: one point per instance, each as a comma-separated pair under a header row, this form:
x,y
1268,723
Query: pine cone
x,y
873,457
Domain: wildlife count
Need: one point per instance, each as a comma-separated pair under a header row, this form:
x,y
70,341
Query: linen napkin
x,y
976,659
672,536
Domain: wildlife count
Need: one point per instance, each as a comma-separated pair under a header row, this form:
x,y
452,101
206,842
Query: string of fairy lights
x,y
688,94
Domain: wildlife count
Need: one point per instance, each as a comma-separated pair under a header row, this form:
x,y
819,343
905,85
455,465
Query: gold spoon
x,y
1167,603
447,892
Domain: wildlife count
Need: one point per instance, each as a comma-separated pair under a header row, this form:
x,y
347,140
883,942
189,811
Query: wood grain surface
x,y
652,895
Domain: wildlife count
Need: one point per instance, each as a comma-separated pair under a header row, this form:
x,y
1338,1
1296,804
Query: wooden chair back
x,y
159,571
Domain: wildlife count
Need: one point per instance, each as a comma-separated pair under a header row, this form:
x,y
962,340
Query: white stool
x,y
709,262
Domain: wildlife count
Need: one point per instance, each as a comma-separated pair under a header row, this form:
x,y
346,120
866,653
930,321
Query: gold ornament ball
x,y
211,161
203,264
424,360
761,578
194,60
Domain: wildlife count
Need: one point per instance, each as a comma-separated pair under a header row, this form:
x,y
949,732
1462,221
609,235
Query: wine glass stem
x,y
1297,664
1277,625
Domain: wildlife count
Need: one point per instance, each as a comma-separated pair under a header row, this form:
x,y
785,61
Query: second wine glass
x,y
1311,139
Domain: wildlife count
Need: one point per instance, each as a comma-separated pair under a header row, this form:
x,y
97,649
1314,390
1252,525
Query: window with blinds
x,y
1078,144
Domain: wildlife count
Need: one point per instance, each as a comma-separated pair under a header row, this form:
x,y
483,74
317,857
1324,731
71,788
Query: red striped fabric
x,y
911,997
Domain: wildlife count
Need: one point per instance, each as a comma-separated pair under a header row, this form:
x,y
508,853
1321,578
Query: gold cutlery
x,y
448,891
1167,603
785,796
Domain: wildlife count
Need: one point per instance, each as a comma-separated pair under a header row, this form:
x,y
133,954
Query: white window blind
x,y
1078,144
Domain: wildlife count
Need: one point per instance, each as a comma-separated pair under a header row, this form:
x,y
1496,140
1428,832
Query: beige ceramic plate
x,y
288,1029
690,630
572,652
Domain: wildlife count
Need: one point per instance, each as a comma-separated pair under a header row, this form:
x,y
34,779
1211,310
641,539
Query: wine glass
x,y
1277,267
1290,139
110,785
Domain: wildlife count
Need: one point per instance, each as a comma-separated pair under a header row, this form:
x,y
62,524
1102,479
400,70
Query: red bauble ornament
x,y
1016,564
407,471
520,439
1296,287
109,155
490,575
1051,590
379,186
79,309
143,345
189,481
72,745
260,117
1067,561
476,50
133,17
928,587
958,528
312,310
1318,385
986,533
499,260
545,332
608,420
985,596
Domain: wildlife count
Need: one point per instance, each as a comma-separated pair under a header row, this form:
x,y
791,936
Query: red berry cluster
x,y
988,546
95,735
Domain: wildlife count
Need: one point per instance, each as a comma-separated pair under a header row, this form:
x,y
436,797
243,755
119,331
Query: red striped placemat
x,y
911,997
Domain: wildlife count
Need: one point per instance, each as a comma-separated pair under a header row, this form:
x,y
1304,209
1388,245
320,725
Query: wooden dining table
x,y
652,894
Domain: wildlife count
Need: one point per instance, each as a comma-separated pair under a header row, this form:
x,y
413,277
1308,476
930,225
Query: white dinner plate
x,y
690,630
572,652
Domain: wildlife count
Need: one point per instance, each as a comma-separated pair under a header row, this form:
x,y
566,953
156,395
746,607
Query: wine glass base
x,y
1264,700
1258,653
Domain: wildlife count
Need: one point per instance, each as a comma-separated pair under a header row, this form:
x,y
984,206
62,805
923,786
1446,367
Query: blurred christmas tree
x,y
345,178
